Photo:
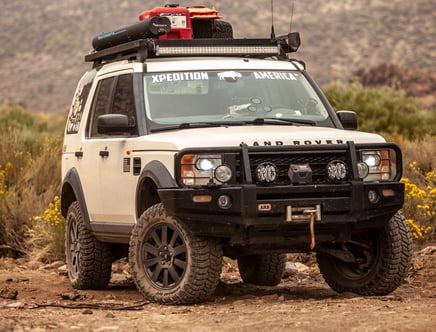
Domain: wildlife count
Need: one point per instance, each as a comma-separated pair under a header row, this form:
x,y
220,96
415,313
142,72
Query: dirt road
x,y
45,301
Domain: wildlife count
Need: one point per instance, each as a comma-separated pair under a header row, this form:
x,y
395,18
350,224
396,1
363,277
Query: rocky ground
x,y
40,298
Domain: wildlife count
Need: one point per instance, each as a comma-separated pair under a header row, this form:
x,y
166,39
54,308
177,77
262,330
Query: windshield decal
x,y
273,75
182,76
225,75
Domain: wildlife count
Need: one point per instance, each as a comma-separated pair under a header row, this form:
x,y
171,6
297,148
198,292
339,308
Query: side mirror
x,y
114,124
348,119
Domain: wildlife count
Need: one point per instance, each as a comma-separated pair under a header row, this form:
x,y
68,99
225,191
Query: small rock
x,y
290,269
70,295
62,270
126,269
118,278
301,268
428,250
15,305
53,266
272,297
110,315
87,312
427,293
8,293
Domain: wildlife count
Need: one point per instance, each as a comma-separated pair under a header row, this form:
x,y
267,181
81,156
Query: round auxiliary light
x,y
362,169
224,202
223,173
337,170
267,172
373,196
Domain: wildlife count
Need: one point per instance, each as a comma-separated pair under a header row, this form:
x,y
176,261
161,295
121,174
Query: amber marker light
x,y
202,198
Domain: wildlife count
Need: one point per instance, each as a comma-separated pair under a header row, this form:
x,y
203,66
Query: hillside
x,y
44,41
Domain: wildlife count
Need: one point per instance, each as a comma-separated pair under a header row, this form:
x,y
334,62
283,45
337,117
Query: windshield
x,y
231,97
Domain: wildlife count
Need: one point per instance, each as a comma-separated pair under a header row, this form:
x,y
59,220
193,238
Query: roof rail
x,y
141,49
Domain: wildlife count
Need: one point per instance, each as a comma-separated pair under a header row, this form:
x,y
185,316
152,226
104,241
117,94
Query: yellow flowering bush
x,y
420,202
48,232
4,178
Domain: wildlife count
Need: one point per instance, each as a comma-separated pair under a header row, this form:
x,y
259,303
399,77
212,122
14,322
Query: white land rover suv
x,y
178,152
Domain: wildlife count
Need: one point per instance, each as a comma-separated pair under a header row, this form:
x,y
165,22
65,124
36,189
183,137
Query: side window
x,y
114,95
100,104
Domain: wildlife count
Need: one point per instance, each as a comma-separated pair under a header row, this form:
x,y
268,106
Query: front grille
x,y
317,161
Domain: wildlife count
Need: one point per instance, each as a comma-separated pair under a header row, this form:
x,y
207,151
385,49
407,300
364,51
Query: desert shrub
x,y
30,150
419,177
420,204
47,233
380,109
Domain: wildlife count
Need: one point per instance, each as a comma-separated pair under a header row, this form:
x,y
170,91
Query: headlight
x,y
201,169
371,158
381,164
207,163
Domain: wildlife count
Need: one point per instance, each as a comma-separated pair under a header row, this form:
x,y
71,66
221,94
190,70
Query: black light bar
x,y
141,49
215,47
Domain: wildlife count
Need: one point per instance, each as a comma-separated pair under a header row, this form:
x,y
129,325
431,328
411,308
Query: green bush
x,y
381,109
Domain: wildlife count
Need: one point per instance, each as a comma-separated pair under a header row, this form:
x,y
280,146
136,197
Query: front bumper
x,y
267,206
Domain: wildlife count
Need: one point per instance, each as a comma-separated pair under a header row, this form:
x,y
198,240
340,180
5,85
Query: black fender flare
x,y
72,180
159,174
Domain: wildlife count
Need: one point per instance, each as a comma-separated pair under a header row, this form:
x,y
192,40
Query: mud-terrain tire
x,y
169,264
89,261
384,257
262,270
223,29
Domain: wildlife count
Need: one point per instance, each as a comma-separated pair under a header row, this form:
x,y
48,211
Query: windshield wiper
x,y
257,121
281,120
187,125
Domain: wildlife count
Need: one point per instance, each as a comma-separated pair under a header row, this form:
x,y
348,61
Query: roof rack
x,y
141,49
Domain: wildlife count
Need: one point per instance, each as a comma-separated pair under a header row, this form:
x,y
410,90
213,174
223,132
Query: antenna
x,y
292,16
273,35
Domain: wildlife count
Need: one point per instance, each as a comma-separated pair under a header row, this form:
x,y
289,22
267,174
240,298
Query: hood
x,y
253,136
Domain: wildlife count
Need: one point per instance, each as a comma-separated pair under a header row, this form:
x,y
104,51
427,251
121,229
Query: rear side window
x,y
113,95
78,104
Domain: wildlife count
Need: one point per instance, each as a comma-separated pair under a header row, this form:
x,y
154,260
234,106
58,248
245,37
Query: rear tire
x,y
262,270
383,258
169,264
89,261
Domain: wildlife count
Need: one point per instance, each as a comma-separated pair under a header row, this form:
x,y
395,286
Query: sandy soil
x,y
35,298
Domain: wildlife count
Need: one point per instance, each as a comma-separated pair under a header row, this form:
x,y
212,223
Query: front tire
x,y
262,270
89,261
168,263
383,258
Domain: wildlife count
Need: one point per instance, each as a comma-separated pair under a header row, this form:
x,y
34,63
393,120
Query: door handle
x,y
104,153
78,154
